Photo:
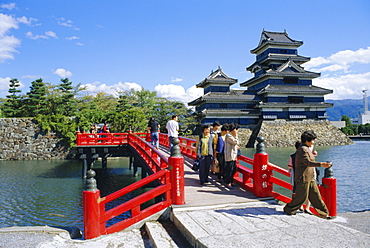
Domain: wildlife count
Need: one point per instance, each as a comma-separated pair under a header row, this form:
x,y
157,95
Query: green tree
x,y
13,103
35,103
165,109
67,98
125,101
347,120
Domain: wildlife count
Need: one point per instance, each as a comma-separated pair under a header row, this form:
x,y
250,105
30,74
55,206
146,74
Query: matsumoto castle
x,y
280,89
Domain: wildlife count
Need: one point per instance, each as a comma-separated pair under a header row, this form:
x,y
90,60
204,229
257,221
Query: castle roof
x,y
277,39
280,58
288,69
217,77
294,105
294,90
234,96
231,112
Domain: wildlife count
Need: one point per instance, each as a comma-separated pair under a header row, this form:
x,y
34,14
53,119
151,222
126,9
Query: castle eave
x,y
294,105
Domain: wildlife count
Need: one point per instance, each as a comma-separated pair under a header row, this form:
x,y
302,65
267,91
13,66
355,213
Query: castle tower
x,y
283,88
220,103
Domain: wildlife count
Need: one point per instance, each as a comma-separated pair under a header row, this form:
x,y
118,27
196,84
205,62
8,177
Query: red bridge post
x,y
329,191
91,208
261,172
176,162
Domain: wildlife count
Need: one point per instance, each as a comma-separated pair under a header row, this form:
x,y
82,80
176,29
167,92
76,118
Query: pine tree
x,y
36,101
68,102
13,103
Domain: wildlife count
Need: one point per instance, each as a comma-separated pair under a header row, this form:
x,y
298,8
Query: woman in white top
x,y
231,153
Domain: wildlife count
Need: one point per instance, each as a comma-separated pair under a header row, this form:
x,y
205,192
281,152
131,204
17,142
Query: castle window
x,y
291,80
295,99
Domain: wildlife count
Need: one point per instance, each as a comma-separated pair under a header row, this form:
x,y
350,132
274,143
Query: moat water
x,y
49,192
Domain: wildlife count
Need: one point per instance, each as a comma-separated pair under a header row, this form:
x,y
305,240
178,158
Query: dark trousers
x,y
221,164
170,138
204,167
303,191
230,170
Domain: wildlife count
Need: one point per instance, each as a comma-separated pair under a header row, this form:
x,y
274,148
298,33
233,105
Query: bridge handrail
x,y
158,164
247,177
133,205
261,178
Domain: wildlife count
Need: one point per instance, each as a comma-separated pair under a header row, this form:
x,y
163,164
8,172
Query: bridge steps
x,y
262,224
165,234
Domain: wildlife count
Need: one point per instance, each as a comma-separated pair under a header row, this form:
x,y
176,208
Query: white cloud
x,y
73,38
51,34
176,80
31,76
67,23
340,61
27,21
177,92
96,87
9,6
7,47
7,22
315,62
168,91
343,73
347,86
47,35
7,43
63,73
4,84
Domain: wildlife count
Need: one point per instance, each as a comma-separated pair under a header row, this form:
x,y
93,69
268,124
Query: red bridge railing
x,y
96,213
261,180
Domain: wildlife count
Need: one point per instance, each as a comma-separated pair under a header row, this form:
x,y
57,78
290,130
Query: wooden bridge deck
x,y
213,193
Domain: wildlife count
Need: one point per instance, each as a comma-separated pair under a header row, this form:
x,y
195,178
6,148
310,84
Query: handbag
x,y
195,165
239,153
215,166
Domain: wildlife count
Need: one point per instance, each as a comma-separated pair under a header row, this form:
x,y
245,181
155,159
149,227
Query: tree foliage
x,y
12,105
36,99
61,108
354,129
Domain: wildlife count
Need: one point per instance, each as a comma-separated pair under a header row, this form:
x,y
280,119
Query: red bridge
x,y
256,175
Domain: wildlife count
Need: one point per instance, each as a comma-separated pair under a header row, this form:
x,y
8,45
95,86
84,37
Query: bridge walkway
x,y
212,193
215,216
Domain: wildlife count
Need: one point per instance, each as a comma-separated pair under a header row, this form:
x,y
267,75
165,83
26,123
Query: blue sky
x,y
170,45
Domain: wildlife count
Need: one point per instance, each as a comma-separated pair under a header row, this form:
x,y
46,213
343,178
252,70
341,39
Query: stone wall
x,y
21,139
283,133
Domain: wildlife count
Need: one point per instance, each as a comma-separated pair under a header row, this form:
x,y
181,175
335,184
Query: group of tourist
x,y
220,148
172,127
96,129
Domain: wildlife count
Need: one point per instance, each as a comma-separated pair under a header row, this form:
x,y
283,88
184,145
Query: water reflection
x,y
50,192
351,165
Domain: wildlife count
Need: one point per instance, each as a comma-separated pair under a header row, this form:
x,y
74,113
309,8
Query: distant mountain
x,y
350,107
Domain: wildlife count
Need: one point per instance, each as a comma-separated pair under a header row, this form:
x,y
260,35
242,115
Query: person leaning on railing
x,y
304,177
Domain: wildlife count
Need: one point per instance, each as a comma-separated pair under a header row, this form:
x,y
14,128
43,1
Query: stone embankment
x,y
22,139
283,133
